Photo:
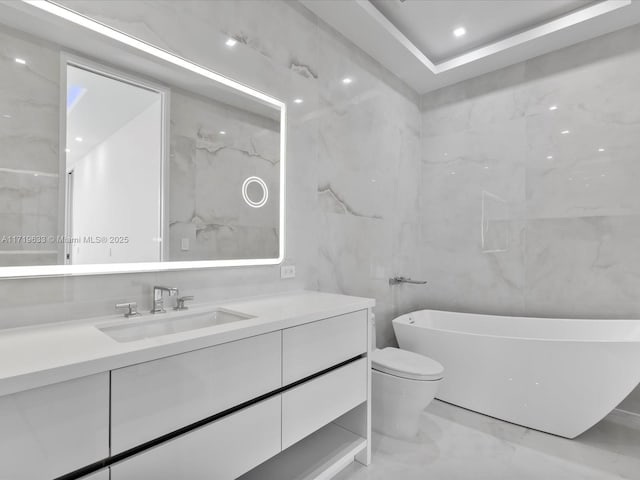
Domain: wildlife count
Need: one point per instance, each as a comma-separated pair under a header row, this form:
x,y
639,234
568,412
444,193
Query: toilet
x,y
404,383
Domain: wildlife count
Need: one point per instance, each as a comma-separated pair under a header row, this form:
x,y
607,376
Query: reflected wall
x,y
29,137
214,149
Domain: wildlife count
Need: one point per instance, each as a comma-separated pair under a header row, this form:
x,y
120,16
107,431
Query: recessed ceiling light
x,y
601,149
460,32
565,132
222,132
231,42
453,173
553,107
298,100
549,157
347,80
6,115
68,150
78,139
21,61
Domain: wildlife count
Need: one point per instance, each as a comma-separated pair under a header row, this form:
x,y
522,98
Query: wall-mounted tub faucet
x,y
158,298
399,280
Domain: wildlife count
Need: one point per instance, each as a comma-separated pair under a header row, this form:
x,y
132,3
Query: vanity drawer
x,y
312,405
222,450
50,431
158,397
313,347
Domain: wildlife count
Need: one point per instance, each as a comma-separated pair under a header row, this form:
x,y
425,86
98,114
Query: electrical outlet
x,y
288,271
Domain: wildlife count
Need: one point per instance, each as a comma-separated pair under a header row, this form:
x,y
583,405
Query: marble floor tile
x,y
456,444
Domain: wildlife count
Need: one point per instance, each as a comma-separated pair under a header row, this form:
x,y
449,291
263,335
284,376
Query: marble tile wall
x,y
529,194
368,160
353,157
29,149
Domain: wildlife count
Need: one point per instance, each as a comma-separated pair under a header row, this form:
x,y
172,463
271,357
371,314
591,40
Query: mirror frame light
x,y
103,269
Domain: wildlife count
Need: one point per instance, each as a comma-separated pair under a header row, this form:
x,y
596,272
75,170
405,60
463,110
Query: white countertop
x,y
36,356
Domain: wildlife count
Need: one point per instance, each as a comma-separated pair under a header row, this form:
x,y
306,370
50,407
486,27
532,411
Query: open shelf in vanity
x,y
319,456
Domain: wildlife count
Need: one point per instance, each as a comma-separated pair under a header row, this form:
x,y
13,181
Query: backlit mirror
x,y
117,156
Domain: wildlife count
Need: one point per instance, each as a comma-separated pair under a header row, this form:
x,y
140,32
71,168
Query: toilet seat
x,y
405,364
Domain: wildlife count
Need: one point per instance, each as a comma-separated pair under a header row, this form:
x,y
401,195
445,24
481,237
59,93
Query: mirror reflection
x,y
114,138
123,158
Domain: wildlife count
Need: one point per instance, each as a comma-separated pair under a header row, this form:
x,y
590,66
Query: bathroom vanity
x,y
272,387
280,392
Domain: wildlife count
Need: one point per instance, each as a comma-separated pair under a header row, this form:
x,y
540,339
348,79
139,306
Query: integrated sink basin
x,y
158,326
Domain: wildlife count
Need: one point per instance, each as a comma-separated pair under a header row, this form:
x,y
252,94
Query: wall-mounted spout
x,y
399,280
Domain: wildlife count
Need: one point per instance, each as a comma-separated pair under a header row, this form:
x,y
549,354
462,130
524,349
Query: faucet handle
x,y
132,309
180,302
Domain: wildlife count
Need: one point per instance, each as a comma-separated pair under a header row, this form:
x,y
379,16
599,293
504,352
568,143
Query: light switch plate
x,y
184,244
288,271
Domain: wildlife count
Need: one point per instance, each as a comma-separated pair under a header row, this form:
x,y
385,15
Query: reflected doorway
x,y
114,162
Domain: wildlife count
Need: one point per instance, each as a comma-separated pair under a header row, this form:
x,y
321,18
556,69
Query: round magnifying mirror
x,y
255,192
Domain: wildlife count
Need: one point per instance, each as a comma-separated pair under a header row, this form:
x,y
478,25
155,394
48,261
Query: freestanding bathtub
x,y
555,375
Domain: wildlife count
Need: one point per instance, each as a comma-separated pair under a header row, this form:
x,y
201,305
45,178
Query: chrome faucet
x,y
158,298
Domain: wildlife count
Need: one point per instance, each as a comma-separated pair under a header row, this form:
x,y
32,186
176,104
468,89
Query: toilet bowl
x,y
404,383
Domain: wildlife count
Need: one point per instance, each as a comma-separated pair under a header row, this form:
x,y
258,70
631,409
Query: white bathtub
x,y
555,375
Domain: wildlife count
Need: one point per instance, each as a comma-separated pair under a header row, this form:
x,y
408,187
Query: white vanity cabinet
x,y
49,431
222,450
282,397
158,397
313,347
162,396
313,404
